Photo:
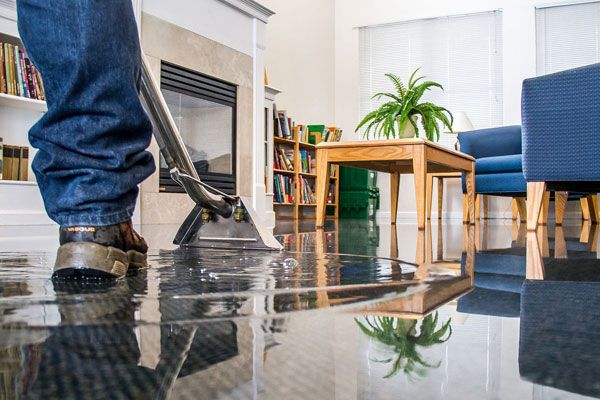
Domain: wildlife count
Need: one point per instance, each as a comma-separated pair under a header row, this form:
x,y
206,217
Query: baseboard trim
x,y
386,216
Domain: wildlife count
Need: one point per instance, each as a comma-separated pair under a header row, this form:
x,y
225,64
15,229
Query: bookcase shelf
x,y
283,171
24,103
17,183
298,210
284,141
306,145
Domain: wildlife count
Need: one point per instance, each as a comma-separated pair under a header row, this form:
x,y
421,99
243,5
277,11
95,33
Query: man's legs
x,y
93,138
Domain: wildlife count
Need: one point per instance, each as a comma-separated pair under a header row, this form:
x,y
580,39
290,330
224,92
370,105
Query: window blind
x,y
463,53
567,36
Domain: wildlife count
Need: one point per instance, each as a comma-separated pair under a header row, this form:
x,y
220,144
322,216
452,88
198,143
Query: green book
x,y
313,130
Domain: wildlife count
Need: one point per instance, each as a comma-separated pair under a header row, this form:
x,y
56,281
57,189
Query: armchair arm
x,y
561,126
502,141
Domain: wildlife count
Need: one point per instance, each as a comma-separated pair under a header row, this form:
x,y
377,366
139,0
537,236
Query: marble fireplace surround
x,y
162,40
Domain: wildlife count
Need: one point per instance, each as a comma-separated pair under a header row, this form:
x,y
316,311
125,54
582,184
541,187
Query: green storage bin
x,y
359,237
359,204
357,179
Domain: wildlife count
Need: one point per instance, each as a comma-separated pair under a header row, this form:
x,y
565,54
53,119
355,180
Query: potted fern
x,y
397,118
404,338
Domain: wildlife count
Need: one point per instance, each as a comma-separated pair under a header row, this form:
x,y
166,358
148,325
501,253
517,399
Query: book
x,y
15,163
3,87
7,165
9,56
285,124
30,85
19,72
276,123
39,85
24,74
23,163
315,133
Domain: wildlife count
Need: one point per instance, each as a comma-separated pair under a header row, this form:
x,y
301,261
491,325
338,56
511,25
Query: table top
x,y
392,142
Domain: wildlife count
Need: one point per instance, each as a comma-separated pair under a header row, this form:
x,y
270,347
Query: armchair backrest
x,y
502,141
561,123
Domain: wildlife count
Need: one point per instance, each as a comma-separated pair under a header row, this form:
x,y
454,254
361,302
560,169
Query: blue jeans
x,y
92,141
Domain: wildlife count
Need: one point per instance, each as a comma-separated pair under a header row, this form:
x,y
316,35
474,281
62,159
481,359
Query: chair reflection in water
x,y
500,273
559,324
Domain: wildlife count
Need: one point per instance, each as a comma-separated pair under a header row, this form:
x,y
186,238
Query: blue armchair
x,y
561,145
498,162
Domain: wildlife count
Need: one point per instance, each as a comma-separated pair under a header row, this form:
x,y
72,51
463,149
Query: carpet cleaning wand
x,y
218,220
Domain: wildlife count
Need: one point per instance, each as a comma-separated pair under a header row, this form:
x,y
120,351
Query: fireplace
x,y
204,110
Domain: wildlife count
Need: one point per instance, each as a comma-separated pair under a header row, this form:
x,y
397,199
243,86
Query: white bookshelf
x,y
20,201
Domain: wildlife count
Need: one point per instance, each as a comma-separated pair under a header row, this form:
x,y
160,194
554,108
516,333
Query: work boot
x,y
99,251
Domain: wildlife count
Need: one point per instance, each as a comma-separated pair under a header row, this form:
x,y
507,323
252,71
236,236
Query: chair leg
x,y
486,206
465,209
522,209
515,209
535,198
594,215
543,218
560,204
589,209
478,207
585,211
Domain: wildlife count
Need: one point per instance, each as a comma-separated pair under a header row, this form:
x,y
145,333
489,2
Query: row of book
x,y
18,76
307,162
284,158
332,134
283,188
307,195
14,162
322,133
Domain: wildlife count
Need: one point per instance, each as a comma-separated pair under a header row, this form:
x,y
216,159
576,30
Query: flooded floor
x,y
356,311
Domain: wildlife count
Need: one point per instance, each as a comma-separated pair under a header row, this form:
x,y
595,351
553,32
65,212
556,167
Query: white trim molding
x,y
251,8
8,9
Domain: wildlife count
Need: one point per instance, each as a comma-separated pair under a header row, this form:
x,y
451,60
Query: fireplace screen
x,y
204,111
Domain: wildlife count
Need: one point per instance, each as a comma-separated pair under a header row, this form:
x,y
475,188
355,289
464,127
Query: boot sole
x,y
91,260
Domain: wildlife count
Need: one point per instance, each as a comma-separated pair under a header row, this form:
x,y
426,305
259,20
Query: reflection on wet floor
x,y
514,312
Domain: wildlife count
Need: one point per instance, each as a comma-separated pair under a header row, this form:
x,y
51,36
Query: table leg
x,y
429,191
470,177
394,187
420,173
321,186
440,194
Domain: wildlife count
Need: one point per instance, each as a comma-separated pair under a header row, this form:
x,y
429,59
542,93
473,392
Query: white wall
x,y
301,32
519,63
300,58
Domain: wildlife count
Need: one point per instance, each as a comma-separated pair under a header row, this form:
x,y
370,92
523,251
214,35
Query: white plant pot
x,y
408,131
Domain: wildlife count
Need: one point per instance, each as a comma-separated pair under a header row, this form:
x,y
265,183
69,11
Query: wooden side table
x,y
401,156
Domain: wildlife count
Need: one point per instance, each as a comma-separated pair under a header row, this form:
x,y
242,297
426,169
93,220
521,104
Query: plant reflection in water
x,y
404,338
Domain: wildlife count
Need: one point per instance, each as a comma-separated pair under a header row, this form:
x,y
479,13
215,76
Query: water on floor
x,y
465,315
